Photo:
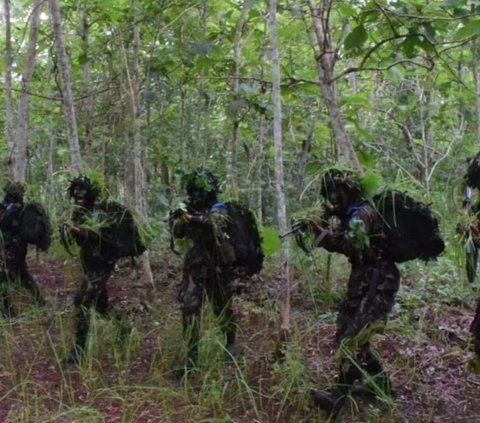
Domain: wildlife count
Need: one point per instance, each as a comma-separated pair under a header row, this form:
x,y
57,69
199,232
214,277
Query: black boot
x,y
330,401
74,356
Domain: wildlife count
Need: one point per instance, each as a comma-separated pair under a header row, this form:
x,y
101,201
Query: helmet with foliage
x,y
82,186
201,179
202,187
14,192
339,179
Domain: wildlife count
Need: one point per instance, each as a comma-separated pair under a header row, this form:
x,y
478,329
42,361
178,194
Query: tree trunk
x,y
9,117
20,156
325,61
138,180
279,174
237,49
87,79
476,87
66,86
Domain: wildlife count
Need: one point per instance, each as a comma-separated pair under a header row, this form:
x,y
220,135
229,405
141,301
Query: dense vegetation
x,y
160,87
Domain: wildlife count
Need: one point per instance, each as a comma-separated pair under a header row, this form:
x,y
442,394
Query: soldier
x,y
96,261
373,283
13,249
206,268
472,182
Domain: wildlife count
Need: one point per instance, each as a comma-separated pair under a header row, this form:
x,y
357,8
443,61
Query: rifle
x,y
298,229
65,238
172,216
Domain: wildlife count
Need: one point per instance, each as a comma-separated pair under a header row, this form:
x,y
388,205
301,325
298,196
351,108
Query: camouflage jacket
x,y
358,235
13,248
205,230
93,248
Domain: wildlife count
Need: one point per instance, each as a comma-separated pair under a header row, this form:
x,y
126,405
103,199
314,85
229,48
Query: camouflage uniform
x,y
471,182
206,272
372,285
97,264
374,280
13,250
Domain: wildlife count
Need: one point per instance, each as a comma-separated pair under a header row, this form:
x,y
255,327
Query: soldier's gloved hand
x,y
175,214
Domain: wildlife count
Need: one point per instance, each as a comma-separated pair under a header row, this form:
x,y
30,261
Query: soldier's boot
x,y
379,379
81,334
230,335
331,400
35,293
191,335
8,310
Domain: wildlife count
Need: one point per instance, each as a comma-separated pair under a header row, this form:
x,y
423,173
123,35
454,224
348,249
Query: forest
x,y
266,95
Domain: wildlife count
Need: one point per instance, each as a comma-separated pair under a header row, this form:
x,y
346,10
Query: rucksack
x,y
472,176
120,231
35,225
241,233
409,226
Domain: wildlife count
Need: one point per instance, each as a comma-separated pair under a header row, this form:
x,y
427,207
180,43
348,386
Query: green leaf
x,y
470,29
371,184
271,243
346,9
313,168
356,38
359,100
408,46
365,159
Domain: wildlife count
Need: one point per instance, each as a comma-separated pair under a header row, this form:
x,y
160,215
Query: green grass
x,y
127,372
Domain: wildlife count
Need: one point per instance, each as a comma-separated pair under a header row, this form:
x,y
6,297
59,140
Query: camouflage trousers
x,y
18,274
92,294
475,329
202,281
370,298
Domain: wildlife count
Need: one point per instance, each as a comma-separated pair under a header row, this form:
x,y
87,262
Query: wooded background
x,y
142,91
267,95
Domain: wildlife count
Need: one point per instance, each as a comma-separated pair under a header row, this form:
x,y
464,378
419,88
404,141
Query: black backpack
x,y
409,226
120,231
35,225
242,235
472,176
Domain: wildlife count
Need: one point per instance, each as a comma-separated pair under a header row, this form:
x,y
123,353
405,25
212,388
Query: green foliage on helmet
x,y
201,180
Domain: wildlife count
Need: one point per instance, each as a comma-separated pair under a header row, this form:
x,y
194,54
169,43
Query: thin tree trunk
x,y
49,192
87,78
138,182
9,117
20,156
237,49
279,174
66,85
325,61
476,87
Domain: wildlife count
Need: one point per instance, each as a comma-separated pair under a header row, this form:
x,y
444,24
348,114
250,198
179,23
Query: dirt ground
x,y
426,358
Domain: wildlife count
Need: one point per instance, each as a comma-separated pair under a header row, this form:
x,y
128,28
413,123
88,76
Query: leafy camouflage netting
x,y
35,225
409,226
243,235
121,232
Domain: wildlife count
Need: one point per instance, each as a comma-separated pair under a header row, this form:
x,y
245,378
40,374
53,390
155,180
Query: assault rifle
x,y
298,229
